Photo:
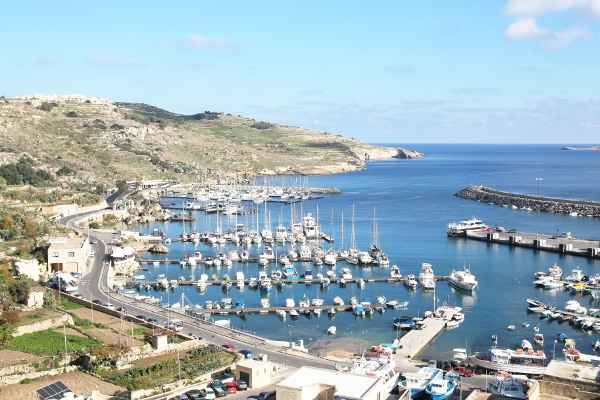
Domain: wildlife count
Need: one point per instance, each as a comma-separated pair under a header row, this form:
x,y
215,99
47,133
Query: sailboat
x,y
353,253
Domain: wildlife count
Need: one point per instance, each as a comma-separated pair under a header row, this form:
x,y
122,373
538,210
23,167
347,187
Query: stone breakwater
x,y
288,189
547,204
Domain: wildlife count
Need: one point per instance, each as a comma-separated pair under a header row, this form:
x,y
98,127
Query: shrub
x,y
262,125
26,381
45,106
101,326
72,114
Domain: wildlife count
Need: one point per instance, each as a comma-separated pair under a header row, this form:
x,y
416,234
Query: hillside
x,y
105,140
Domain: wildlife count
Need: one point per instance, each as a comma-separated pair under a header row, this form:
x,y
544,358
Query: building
x,y
68,254
255,373
323,384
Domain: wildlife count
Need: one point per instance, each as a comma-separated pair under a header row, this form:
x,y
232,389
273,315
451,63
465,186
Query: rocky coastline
x,y
546,204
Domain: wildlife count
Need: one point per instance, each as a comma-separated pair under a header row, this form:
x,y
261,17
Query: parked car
x,y
266,395
93,241
78,295
194,394
142,317
110,306
229,347
230,387
247,353
241,385
99,302
153,320
209,393
217,386
122,309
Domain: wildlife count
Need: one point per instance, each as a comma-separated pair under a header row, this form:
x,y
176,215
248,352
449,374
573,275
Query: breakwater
x,y
515,200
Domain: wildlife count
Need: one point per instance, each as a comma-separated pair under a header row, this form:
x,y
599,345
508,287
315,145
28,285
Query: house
x,y
66,253
255,373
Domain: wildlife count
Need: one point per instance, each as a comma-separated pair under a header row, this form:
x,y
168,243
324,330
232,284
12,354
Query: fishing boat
x,y
410,281
555,271
289,272
358,310
281,313
505,384
461,228
265,303
331,330
345,273
404,322
338,301
361,283
526,345
463,280
304,301
353,300
439,389
562,336
331,311
395,272
511,328
418,381
381,300
514,361
538,338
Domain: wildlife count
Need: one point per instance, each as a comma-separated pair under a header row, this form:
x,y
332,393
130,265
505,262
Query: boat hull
x,y
513,368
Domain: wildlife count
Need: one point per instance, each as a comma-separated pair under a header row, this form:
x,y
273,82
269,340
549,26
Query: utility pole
x,y
537,222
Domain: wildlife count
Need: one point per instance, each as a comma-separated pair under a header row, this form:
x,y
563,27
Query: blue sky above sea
x,y
513,71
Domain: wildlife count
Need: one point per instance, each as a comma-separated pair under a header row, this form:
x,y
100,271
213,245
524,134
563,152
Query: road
x,y
92,286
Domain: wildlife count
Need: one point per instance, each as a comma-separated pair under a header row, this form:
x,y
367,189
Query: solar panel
x,y
54,390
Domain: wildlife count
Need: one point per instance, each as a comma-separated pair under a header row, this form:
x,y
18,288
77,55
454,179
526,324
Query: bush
x,y
72,114
45,106
262,125
102,326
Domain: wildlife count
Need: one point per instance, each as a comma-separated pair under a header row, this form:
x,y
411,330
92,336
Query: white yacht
x,y
464,279
427,277
461,228
395,272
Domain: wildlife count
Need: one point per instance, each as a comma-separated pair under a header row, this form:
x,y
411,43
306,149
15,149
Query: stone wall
x,y
13,379
53,322
546,204
570,391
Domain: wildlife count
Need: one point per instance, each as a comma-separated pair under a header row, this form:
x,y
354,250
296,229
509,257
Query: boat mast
x,y
352,233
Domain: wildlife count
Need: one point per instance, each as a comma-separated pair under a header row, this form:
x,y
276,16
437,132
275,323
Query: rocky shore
x,y
546,204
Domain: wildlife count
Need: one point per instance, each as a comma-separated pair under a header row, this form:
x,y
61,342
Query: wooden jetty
x,y
564,243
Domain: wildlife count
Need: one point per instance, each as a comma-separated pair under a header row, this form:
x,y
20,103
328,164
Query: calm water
x,y
414,202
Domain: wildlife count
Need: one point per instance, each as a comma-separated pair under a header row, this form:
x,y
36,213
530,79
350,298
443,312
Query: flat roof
x,y
61,242
581,372
346,384
251,363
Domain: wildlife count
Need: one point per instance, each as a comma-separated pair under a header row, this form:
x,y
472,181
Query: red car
x,y
229,347
230,387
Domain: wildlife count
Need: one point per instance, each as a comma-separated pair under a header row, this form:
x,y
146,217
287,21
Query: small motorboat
x,y
562,336
293,313
539,339
526,345
511,328
331,311
331,330
525,324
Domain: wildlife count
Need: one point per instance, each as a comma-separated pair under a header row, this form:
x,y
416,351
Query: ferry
x,y
464,280
532,362
461,228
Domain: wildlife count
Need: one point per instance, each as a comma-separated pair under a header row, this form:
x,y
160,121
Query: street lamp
x,y
537,222
290,339
554,350
285,357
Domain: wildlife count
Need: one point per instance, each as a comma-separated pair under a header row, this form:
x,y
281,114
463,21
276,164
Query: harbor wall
x,y
546,204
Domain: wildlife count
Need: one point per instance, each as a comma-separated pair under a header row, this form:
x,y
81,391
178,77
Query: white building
x,y
323,384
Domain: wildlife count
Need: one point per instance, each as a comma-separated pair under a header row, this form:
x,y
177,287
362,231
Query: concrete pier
x,y
557,244
417,339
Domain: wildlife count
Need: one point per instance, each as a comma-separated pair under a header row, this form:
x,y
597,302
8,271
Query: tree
x,y
19,291
31,229
121,185
72,114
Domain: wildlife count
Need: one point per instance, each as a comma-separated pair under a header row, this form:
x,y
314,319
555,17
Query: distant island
x,y
594,148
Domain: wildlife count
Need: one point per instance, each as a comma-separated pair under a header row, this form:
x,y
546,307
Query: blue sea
x,y
414,202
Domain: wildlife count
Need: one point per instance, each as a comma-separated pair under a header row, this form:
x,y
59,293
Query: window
x,y
71,254
55,254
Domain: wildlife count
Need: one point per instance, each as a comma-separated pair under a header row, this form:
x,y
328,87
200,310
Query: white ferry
x,y
517,361
464,280
461,228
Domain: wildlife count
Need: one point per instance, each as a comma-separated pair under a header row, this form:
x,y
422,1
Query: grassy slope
x,y
185,146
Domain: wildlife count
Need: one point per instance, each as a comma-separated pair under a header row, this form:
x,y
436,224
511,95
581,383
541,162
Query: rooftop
x,y
346,384
63,242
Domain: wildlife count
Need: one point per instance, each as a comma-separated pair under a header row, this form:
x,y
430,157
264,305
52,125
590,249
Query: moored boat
x,y
514,361
461,228
464,279
418,381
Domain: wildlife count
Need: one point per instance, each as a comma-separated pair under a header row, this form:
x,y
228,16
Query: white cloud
x,y
526,29
542,7
595,100
206,43
107,62
589,125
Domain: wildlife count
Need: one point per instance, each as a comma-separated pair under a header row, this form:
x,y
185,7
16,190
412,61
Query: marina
x,y
407,249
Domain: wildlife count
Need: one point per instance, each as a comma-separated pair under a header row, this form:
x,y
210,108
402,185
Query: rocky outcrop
x,y
559,206
409,154
30,268
594,148
158,248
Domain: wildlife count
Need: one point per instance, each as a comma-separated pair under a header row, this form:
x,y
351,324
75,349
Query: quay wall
x,y
546,204
331,190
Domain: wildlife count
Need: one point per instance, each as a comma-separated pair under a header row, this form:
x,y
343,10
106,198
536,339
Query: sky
x,y
394,71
